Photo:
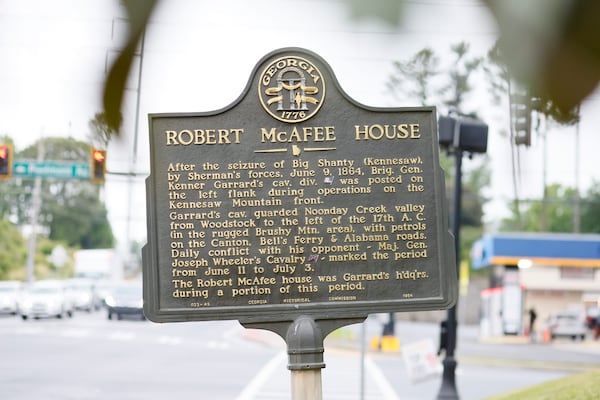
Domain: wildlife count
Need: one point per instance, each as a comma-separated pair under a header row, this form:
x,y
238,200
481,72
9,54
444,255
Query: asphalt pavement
x,y
486,367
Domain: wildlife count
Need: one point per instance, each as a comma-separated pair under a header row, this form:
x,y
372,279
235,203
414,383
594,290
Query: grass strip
x,y
582,386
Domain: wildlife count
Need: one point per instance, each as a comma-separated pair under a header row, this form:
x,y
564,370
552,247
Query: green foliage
x,y
13,250
590,210
555,212
418,73
81,221
583,386
461,72
102,132
468,236
71,210
44,268
543,42
422,77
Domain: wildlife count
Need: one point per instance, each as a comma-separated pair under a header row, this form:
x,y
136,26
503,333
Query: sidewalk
x,y
485,368
341,379
470,348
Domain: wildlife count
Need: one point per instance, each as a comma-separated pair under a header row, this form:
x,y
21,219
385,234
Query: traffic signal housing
x,y
6,161
467,134
98,165
521,115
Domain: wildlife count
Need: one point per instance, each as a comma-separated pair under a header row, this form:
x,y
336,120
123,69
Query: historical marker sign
x,y
295,200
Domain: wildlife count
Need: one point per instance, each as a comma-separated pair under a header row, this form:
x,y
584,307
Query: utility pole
x,y
35,212
577,201
134,155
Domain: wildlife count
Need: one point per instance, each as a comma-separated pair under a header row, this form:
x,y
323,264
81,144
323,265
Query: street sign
x,y
51,169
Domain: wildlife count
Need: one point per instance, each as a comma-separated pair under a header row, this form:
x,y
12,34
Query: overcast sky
x,y
198,57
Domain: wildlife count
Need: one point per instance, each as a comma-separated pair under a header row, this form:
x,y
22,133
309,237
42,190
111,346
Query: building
x,y
548,272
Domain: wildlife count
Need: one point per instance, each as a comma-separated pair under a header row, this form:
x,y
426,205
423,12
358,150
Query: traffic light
x,y
468,134
521,112
98,165
6,151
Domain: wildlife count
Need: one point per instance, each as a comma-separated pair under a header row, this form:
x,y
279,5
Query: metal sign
x,y
51,169
295,200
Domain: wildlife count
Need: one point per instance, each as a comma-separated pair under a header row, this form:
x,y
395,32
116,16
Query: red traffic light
x,y
99,155
5,161
98,165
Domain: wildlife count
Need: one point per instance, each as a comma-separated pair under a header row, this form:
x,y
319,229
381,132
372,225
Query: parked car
x,y
10,292
125,299
567,324
84,294
103,289
46,298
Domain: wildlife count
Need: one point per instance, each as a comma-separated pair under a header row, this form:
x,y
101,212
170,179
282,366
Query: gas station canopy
x,y
556,249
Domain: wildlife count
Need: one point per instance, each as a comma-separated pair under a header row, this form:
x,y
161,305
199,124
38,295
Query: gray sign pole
x,y
305,351
304,338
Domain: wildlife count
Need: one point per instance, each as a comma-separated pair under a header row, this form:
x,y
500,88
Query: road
x,y
90,358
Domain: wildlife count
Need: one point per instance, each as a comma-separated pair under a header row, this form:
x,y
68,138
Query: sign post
x,y
296,209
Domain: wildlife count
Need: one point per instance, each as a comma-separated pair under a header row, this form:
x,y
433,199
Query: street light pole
x,y
448,388
459,135
35,212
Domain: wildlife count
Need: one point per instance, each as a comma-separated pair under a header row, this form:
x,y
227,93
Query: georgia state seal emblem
x,y
291,89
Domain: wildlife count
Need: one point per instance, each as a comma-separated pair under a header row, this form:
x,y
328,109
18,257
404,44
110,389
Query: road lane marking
x,y
256,384
75,333
383,384
170,340
29,331
121,335
217,344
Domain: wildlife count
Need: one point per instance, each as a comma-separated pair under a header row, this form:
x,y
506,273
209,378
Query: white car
x,y
9,297
567,324
83,294
46,298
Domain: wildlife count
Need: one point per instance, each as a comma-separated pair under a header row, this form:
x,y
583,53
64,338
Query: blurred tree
x,y
460,73
590,213
13,250
71,210
423,79
558,206
80,220
101,130
413,78
552,49
503,85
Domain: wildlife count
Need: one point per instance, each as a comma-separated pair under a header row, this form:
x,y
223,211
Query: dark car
x,y
125,300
